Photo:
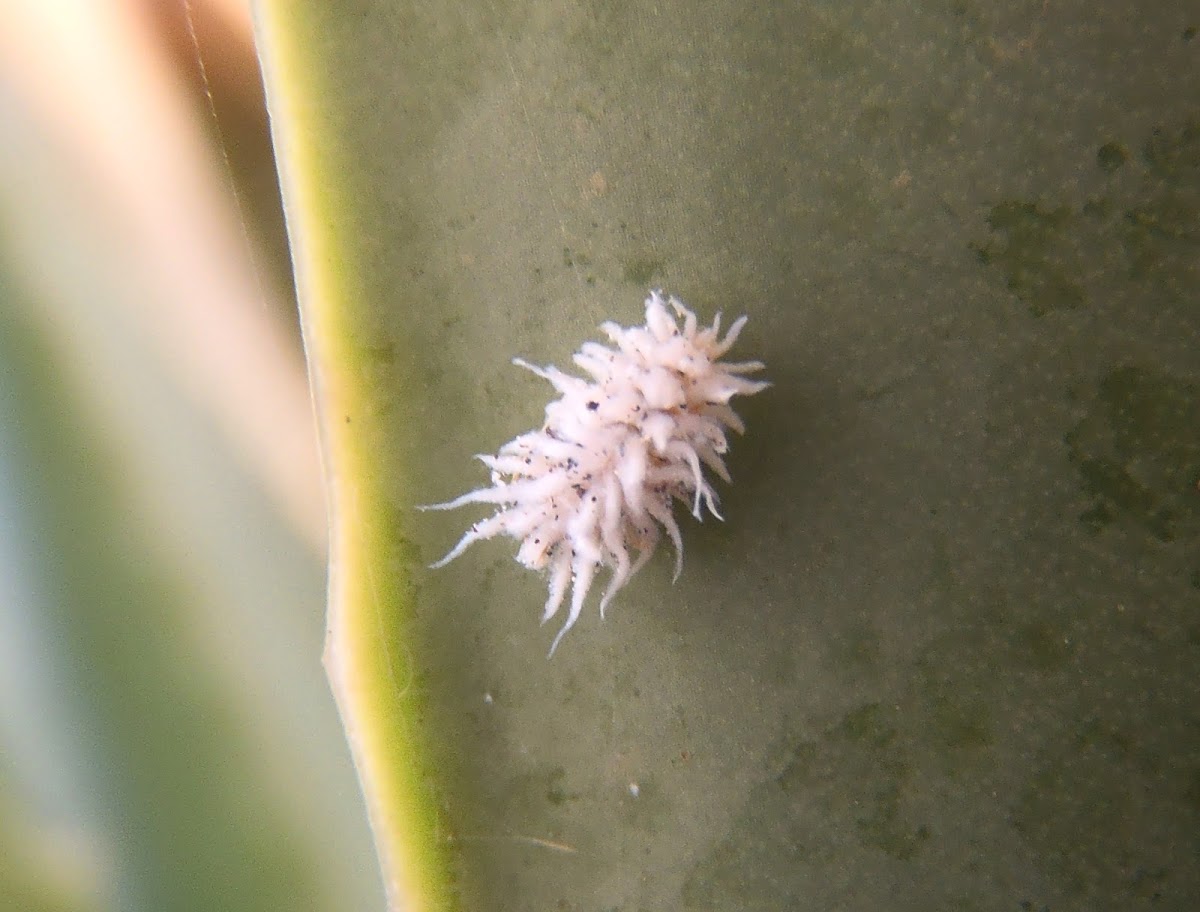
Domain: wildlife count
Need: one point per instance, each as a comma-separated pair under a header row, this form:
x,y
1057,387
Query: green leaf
x,y
928,653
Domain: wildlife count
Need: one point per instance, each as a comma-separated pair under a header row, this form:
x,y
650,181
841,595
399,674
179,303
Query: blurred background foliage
x,y
167,737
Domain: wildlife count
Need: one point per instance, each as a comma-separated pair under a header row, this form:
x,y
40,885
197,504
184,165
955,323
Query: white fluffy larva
x,y
615,452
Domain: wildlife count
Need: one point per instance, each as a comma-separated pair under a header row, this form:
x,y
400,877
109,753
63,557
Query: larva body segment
x,y
600,479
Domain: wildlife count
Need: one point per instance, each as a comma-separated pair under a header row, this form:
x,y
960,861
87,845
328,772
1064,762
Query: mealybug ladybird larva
x,y
615,452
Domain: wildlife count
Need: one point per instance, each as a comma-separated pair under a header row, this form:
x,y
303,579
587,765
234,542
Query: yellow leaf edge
x,y
368,666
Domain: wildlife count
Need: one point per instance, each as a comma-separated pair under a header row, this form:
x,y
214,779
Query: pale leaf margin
x,y
367,663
